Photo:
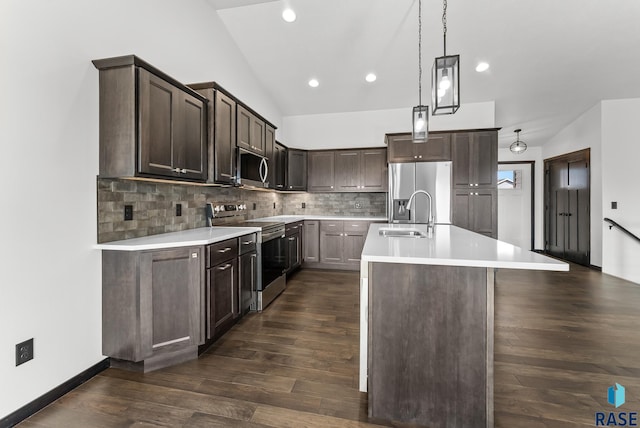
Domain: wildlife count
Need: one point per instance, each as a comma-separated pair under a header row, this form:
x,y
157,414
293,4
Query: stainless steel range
x,y
271,251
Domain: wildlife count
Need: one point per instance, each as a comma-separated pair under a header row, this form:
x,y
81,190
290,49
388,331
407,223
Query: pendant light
x,y
420,116
445,77
518,146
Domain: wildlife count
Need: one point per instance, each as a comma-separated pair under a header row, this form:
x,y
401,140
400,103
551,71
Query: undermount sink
x,y
391,232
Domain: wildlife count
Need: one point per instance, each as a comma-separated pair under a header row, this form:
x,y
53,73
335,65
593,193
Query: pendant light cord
x,y
444,25
419,52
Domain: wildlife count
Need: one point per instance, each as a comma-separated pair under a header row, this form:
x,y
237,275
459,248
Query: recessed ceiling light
x,y
314,83
289,15
370,77
482,66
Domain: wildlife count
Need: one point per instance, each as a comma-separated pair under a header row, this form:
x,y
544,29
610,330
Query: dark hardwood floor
x,y
561,340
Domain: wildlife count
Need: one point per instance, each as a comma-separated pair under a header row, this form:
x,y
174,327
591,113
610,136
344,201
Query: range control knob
x,y
216,209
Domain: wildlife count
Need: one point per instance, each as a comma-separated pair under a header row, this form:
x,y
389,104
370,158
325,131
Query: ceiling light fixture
x,y
482,66
518,146
445,77
370,77
314,83
420,116
288,15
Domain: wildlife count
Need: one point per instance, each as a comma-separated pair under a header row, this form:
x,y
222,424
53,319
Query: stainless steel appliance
x,y
252,170
272,262
407,178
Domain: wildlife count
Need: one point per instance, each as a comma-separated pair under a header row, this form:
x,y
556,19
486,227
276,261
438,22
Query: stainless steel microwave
x,y
253,169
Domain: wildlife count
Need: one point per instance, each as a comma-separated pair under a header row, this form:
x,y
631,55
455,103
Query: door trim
x,y
532,165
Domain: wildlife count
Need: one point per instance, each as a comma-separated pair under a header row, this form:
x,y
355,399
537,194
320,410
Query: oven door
x,y
274,262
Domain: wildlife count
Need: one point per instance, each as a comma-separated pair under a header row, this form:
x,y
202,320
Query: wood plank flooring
x,y
561,340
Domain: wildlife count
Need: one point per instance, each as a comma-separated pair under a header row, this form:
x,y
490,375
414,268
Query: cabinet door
x,y
296,169
248,278
400,148
347,170
484,159
331,247
483,212
257,135
353,245
461,208
244,128
169,299
222,295
190,138
280,166
460,152
225,139
321,171
311,242
293,252
158,107
373,170
437,148
269,152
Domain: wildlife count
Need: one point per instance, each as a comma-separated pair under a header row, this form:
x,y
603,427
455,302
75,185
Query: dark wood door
x,y
483,213
437,148
158,107
461,155
484,159
347,170
170,299
400,148
296,169
190,140
222,304
321,171
331,247
258,135
244,128
248,279
462,208
280,166
567,205
353,244
224,169
373,170
311,242
294,255
269,152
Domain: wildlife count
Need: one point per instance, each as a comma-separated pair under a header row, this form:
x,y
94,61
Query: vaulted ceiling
x,y
550,60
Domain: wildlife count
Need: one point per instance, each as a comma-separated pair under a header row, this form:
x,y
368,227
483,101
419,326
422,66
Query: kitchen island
x,y
426,323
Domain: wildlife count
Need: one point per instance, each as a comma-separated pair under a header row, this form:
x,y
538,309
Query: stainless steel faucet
x,y
430,218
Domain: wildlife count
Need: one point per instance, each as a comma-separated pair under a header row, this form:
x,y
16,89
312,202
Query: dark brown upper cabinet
x,y
475,159
403,149
251,131
151,125
222,135
321,171
296,169
279,166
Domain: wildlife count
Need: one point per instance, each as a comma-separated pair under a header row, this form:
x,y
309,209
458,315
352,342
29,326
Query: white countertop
x,y
294,218
185,238
452,246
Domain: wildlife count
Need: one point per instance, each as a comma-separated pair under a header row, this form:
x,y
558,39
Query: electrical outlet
x,y
304,205
24,352
178,210
614,205
274,205
254,205
358,205
128,212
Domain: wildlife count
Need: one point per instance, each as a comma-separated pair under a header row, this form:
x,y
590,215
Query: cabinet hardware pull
x,y
183,170
225,267
225,250
292,238
247,243
279,185
294,227
332,187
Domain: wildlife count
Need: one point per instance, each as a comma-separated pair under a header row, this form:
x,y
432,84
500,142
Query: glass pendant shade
x,y
420,127
445,84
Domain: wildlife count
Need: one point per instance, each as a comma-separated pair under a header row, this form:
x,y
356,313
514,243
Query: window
x,y
510,179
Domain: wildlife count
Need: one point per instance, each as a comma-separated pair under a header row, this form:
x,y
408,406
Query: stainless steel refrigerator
x,y
406,178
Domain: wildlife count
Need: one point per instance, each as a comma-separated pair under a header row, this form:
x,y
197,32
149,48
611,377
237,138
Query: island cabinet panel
x,y
311,245
430,345
402,148
151,310
150,124
321,171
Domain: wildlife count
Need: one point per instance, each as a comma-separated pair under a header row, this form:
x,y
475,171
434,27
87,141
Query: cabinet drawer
x,y
356,226
222,251
332,226
247,243
293,228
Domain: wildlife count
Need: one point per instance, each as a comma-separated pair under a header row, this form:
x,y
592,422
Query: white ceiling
x,y
551,60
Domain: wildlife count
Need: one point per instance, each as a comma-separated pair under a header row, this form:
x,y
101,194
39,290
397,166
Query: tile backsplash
x,y
154,206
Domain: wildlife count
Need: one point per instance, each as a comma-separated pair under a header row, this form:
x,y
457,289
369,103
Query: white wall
x,y
367,128
620,154
582,133
532,154
49,275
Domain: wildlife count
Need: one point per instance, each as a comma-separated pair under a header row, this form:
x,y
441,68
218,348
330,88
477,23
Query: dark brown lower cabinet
x,y
248,278
151,307
294,236
339,244
311,245
476,210
222,287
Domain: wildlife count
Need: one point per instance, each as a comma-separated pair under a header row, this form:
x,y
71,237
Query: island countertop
x,y
451,246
